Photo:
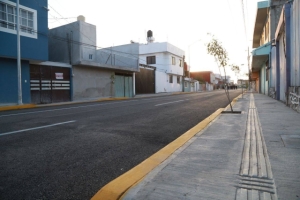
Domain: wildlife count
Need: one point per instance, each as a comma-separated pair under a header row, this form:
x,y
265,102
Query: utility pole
x,y
249,70
19,57
183,75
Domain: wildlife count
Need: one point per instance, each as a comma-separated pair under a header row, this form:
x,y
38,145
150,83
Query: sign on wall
x,y
59,75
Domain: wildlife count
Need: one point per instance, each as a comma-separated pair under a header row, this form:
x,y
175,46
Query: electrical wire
x,y
136,56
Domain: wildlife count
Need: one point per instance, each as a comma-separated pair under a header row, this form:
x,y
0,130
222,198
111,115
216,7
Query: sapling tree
x,y
215,48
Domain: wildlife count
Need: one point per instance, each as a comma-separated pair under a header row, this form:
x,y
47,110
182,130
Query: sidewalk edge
x,y
17,107
233,102
119,186
25,106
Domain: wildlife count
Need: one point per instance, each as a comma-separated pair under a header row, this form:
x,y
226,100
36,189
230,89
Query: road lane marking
x,y
29,129
25,113
171,102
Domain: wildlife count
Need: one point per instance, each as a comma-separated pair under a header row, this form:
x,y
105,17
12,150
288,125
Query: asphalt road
x,y
71,151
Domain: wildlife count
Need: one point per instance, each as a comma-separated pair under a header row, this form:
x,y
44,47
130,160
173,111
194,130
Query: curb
x,y
118,187
17,107
25,106
79,102
233,102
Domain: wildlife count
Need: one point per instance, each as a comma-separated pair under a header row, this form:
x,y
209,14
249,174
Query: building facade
x,y
275,61
285,56
96,72
165,62
33,46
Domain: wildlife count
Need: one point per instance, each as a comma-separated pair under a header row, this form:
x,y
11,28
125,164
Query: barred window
x,y
8,19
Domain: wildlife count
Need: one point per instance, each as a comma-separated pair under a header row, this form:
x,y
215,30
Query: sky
x,y
184,24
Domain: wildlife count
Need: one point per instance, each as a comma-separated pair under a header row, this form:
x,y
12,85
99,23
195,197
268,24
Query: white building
x,y
167,62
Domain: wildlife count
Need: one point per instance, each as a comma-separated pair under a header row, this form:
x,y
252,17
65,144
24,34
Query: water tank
x,y
149,34
81,18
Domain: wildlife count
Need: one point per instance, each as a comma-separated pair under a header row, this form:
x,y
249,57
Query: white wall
x,y
164,67
162,83
160,47
164,63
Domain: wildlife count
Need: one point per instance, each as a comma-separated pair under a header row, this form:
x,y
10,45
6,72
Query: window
x,y
90,56
8,19
185,84
151,60
178,79
180,63
173,60
170,78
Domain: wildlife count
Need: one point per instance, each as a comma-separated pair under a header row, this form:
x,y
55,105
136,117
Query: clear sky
x,y
184,24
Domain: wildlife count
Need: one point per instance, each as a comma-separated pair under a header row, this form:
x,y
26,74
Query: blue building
x,y
276,59
34,45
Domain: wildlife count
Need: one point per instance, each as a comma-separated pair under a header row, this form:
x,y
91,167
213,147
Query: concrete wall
x,y
91,82
275,12
60,50
66,43
117,60
83,48
295,44
9,81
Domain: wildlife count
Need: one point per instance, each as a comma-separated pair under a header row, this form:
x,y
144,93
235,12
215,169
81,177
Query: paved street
x,y
71,151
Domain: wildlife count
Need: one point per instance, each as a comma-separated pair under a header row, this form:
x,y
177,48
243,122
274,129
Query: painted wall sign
x,y
59,75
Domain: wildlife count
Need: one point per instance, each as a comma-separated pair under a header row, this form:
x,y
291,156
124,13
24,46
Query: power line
x,y
243,12
136,56
93,41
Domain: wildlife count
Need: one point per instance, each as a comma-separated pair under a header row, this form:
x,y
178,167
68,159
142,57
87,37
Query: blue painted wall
x,y
9,81
31,48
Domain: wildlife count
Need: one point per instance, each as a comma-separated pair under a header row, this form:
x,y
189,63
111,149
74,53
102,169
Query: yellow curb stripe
x,y
16,107
112,99
119,186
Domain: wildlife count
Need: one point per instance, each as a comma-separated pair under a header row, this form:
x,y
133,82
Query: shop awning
x,y
260,56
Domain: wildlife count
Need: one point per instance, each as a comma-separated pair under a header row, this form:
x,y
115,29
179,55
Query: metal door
x,y
119,86
145,81
46,95
128,86
60,84
49,84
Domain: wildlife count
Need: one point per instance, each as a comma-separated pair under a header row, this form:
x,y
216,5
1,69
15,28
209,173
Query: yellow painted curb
x,y
16,107
112,99
119,186
233,102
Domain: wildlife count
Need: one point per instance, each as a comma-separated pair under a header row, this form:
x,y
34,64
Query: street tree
x,y
215,48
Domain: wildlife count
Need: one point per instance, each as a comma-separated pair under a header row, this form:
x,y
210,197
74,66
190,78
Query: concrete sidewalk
x,y
253,155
